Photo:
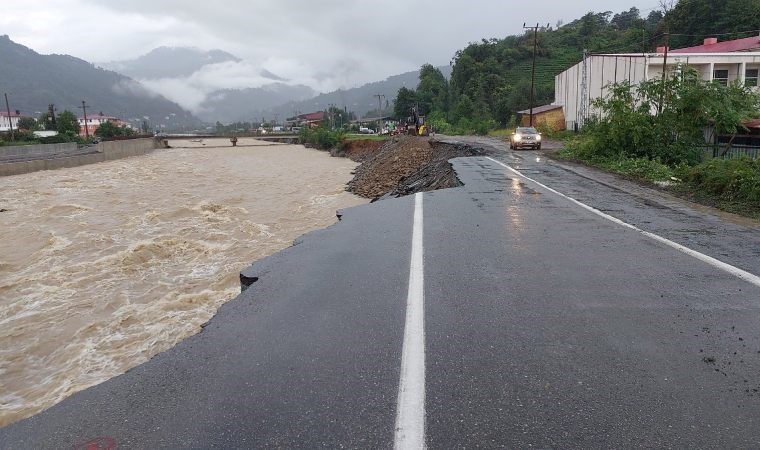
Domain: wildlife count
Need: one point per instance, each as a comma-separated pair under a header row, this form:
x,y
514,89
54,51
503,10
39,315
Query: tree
x,y
106,130
27,123
67,123
628,19
338,117
46,121
692,21
405,99
464,109
432,90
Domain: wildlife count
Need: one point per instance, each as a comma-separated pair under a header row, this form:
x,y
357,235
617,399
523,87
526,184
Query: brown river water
x,y
103,266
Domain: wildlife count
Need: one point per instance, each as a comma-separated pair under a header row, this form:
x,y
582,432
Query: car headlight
x,y
518,137
538,137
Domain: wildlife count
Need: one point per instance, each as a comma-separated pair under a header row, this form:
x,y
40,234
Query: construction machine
x,y
416,124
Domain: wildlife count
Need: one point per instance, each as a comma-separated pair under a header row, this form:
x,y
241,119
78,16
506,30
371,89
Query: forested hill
x,y
33,81
490,80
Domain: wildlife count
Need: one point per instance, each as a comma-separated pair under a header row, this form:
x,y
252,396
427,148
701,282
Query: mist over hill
x,y
33,81
361,100
169,62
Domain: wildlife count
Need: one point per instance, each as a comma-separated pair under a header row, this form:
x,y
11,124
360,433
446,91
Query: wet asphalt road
x,y
545,326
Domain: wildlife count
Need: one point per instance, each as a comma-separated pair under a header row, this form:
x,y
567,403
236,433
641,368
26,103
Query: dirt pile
x,y
360,150
405,165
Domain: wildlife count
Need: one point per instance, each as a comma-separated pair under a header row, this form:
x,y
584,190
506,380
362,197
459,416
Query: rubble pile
x,y
408,164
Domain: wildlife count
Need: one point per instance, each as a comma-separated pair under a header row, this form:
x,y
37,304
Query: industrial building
x,y
724,62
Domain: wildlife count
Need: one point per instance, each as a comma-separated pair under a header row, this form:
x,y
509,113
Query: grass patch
x,y
366,137
501,132
731,185
638,168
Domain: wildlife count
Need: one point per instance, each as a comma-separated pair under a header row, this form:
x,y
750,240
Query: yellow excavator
x,y
416,124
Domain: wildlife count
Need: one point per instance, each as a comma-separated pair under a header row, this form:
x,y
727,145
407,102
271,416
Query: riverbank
x,y
105,265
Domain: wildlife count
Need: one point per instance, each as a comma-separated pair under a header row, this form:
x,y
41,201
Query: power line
x,y
84,113
533,70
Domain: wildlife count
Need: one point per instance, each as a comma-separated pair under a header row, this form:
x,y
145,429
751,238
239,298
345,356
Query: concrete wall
x,y
601,71
105,151
37,150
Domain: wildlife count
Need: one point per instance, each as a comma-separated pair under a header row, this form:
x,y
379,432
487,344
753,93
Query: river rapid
x,y
103,266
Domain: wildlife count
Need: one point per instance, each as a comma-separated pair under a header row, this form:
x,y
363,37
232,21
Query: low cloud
x,y
325,45
192,91
131,87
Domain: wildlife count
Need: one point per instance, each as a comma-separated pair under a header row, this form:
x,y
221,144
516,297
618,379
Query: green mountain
x,y
360,100
231,105
491,79
33,81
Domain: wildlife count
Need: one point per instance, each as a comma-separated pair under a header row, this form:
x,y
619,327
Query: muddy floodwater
x,y
105,265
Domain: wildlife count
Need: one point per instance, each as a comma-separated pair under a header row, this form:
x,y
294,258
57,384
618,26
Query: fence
x,y
732,146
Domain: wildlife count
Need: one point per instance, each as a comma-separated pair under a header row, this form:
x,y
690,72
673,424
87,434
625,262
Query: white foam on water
x,y
106,265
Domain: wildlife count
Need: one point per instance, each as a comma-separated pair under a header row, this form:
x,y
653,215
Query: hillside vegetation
x,y
490,79
34,81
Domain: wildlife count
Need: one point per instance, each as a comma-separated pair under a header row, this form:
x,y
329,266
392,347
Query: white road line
x,y
735,271
410,412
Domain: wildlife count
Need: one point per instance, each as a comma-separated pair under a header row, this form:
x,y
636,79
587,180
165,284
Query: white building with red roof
x,y
92,123
6,121
576,88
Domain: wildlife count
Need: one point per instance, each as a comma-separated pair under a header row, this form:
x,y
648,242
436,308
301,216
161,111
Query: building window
x,y
721,76
750,77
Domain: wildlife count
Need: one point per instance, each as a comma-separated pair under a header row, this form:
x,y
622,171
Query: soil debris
x,y
407,164
358,150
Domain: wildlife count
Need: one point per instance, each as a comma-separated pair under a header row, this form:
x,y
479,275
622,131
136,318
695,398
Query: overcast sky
x,y
325,44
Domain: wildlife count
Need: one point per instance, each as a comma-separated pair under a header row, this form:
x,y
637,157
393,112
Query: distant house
x,y
549,116
6,121
576,88
94,121
310,119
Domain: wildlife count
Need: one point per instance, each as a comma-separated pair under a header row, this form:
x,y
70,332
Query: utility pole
x,y
84,113
51,110
379,103
533,70
664,70
584,91
331,114
666,6
380,98
10,122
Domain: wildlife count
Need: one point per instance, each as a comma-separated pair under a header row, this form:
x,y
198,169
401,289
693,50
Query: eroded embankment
x,y
103,266
405,165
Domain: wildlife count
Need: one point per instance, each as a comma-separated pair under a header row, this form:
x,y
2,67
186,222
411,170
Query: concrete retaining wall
x,y
105,151
37,149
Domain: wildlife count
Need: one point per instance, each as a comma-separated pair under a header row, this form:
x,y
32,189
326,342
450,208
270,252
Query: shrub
x,y
321,138
731,179
664,120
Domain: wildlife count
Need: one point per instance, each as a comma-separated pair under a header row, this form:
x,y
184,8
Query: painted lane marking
x,y
735,271
410,412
